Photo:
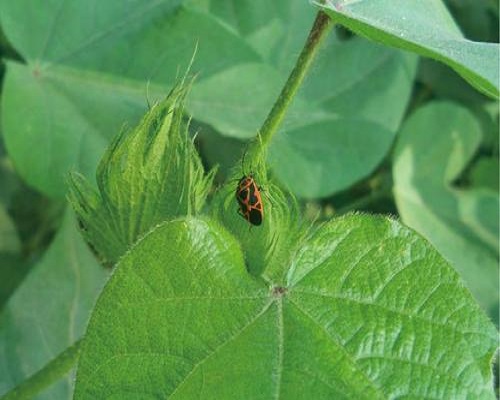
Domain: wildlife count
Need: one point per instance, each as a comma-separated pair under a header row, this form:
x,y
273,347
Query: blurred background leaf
x,y
49,310
436,144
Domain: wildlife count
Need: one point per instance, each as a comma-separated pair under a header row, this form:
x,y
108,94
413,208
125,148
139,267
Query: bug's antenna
x,y
243,161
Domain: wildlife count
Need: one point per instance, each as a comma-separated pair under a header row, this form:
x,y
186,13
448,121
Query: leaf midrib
x,y
341,348
222,345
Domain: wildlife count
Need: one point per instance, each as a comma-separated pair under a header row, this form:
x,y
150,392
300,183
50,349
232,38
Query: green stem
x,y
49,374
277,113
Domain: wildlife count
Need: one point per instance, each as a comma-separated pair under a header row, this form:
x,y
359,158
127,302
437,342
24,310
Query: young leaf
x,y
425,27
146,176
461,223
49,311
367,310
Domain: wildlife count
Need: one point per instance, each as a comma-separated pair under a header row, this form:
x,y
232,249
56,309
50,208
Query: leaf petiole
x,y
318,31
49,374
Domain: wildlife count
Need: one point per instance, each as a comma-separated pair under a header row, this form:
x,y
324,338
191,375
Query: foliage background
x,y
373,129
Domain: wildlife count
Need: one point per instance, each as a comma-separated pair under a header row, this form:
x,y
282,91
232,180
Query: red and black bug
x,y
250,200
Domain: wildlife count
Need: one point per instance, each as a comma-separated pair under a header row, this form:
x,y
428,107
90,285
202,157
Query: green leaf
x,y
461,223
68,135
236,101
424,27
146,176
369,311
49,311
444,83
486,173
318,159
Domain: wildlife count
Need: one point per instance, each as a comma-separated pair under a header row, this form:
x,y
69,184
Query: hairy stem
x,y
318,31
49,374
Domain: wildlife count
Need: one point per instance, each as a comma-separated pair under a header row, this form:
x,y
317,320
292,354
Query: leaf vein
x,y
437,370
391,310
228,340
103,34
280,347
341,348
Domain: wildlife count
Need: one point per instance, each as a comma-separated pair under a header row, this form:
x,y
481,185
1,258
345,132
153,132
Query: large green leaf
x,y
49,311
84,78
425,27
367,310
436,144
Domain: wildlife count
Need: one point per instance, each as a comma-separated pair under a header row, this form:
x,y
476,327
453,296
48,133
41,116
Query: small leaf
x,y
49,310
146,176
425,27
461,223
368,310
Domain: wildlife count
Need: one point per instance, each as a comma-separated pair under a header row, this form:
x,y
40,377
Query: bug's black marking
x,y
255,216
